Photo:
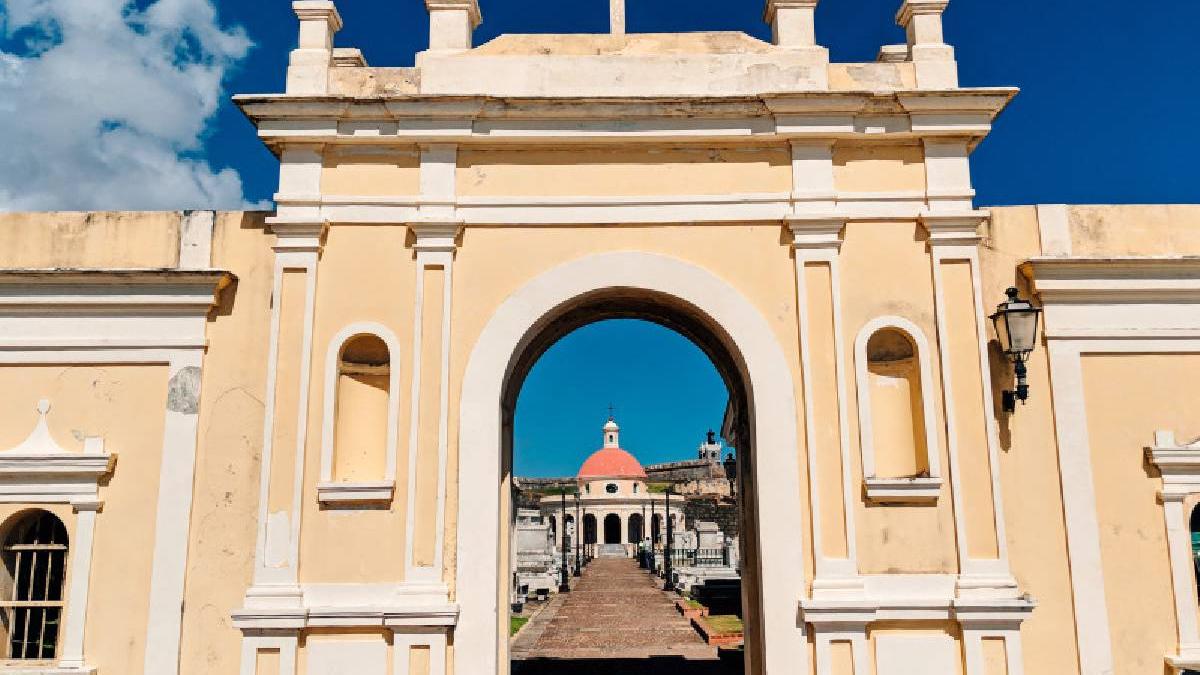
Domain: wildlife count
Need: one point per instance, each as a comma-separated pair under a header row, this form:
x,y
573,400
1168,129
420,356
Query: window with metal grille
x,y
31,590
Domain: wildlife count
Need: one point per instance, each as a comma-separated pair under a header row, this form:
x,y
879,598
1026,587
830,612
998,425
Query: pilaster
x,y
816,242
972,441
435,242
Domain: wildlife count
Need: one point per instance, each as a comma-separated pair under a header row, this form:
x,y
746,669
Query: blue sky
x,y
665,392
124,104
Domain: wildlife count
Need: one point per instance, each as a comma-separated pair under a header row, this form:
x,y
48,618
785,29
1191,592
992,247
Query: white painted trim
x,y
195,239
436,241
172,524
954,237
435,640
1179,465
1079,509
886,490
477,645
329,403
355,492
582,210
75,619
818,240
1054,228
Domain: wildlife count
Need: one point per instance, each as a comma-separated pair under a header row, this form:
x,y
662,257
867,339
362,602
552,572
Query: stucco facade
x,y
778,209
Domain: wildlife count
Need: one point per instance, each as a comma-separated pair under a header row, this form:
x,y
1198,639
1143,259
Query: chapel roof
x,y
611,463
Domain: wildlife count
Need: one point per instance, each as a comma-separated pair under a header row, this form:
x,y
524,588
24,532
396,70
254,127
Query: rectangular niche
x,y
897,428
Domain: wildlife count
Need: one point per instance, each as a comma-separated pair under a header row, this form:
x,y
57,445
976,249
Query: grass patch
x,y
516,623
725,624
693,604
658,488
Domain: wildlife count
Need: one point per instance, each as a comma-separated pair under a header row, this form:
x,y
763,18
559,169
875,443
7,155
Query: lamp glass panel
x,y
1022,330
1000,321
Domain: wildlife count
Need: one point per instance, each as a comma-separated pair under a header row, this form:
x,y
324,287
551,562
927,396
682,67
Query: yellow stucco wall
x,y
367,273
894,538
623,172
1129,397
228,452
79,239
125,405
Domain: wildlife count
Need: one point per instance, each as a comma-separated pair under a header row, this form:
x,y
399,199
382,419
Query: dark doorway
x,y
589,528
612,529
635,528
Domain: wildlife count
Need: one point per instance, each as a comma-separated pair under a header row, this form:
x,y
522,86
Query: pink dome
x,y
611,463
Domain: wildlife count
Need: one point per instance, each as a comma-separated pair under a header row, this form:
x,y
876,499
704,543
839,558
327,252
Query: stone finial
x,y
308,67
451,23
793,22
934,59
922,20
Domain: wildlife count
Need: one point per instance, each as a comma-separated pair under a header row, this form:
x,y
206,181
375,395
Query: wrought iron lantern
x,y
1016,323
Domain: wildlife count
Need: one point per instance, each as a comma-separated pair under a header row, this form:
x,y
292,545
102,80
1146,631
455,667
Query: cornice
x,y
111,290
863,115
1147,279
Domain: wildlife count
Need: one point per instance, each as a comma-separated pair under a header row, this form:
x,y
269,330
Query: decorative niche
x,y
897,426
361,414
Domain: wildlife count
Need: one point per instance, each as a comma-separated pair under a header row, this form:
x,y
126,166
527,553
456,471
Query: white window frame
x,y
40,471
915,489
333,493
1179,465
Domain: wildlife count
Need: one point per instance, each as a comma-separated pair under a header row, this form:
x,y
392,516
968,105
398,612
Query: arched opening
x,y
612,529
31,586
1194,526
635,528
656,529
589,529
760,425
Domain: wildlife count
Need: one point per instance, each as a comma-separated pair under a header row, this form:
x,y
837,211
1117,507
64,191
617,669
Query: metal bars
x,y
35,558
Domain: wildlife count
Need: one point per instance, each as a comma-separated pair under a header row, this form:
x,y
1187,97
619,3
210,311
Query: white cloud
x,y
104,104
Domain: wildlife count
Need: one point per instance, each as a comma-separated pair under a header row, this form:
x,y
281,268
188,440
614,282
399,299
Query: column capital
x,y
816,231
911,8
298,236
318,11
436,236
954,228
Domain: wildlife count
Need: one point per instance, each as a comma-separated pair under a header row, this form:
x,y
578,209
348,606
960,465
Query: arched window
x,y
358,445
897,430
31,588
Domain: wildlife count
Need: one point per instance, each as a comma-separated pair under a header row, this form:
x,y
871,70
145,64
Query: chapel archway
x,y
762,425
612,529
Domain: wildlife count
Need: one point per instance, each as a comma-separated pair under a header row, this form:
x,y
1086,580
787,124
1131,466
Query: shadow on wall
x,y
655,665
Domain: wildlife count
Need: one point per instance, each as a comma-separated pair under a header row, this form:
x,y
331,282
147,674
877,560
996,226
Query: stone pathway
x,y
616,615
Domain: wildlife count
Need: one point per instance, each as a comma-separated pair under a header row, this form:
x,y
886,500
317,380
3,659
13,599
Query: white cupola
x,y
612,434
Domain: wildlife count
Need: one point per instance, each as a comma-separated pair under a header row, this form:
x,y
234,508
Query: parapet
x,y
618,64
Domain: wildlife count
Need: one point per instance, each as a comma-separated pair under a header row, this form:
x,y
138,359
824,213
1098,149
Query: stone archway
x,y
747,353
612,529
635,529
